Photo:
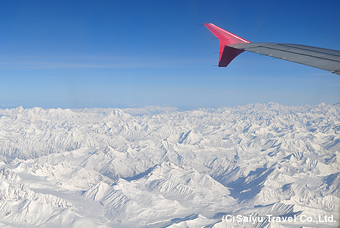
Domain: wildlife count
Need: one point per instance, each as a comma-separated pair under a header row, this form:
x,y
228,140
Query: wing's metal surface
x,y
232,45
322,58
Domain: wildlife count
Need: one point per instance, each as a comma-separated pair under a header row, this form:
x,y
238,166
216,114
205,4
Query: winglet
x,y
227,54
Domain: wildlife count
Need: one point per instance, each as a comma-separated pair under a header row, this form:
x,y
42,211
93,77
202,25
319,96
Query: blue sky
x,y
78,54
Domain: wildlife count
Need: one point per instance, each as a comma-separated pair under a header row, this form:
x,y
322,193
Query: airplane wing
x,y
232,45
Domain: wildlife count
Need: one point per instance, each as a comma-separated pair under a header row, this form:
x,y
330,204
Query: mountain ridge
x,y
160,167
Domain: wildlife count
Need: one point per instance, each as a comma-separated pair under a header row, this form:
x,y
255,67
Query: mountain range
x,y
163,167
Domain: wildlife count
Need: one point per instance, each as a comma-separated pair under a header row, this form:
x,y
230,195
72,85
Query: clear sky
x,y
78,54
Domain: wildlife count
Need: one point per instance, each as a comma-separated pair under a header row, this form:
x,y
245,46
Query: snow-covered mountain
x,y
160,167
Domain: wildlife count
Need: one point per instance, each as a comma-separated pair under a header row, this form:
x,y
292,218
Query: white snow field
x,y
249,166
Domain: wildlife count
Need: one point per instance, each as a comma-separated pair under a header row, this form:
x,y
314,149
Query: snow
x,y
160,167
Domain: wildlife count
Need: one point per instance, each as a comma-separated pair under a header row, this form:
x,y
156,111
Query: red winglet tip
x,y
227,54
224,36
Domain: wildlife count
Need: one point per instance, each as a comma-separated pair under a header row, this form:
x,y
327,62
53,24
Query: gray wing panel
x,y
321,58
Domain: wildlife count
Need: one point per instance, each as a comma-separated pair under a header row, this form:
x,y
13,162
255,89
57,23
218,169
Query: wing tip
x,y
227,53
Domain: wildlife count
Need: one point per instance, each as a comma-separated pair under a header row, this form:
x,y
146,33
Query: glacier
x,y
163,167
